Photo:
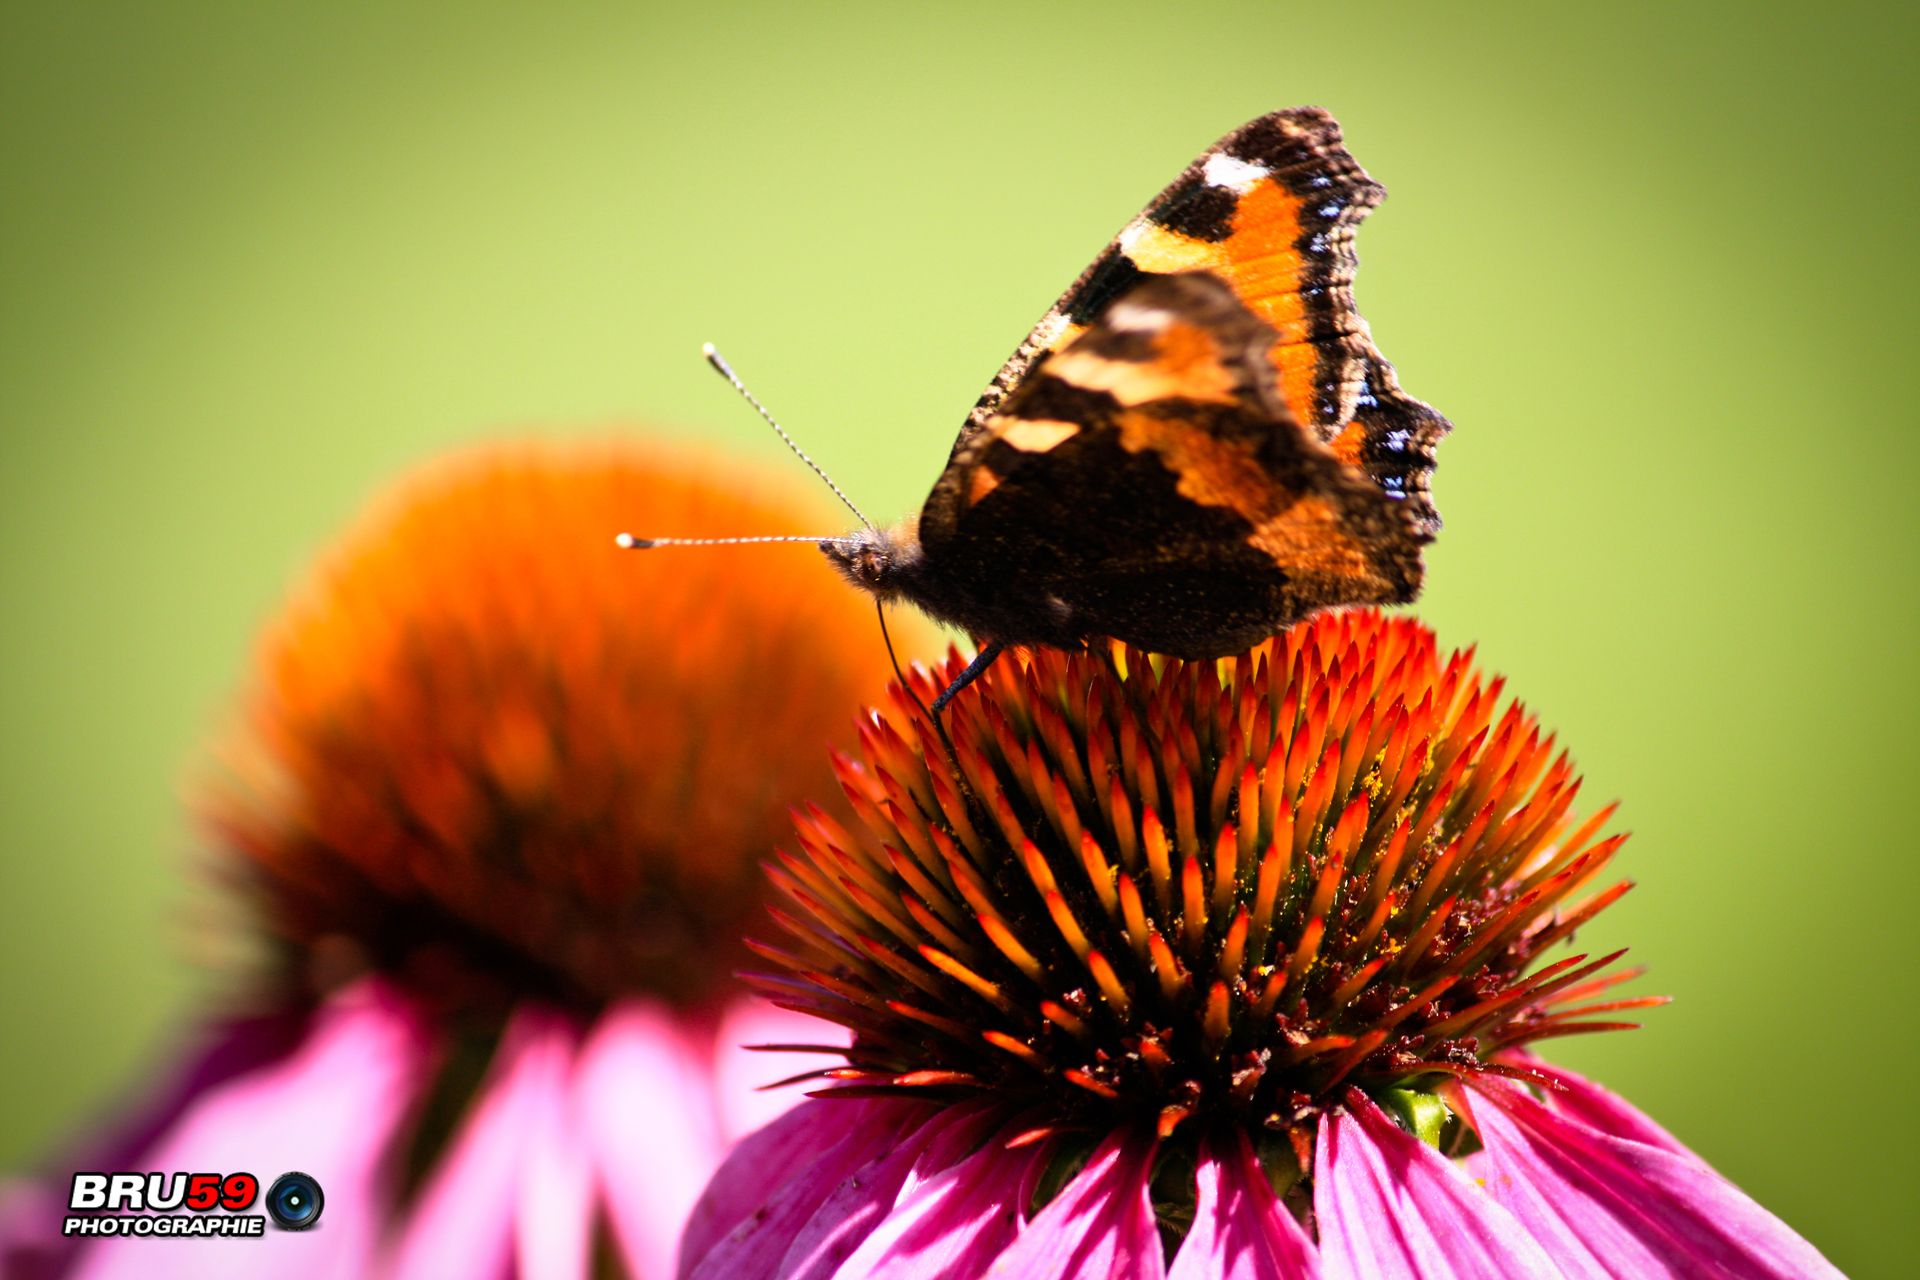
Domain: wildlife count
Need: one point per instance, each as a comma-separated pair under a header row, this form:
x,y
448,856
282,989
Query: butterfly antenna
x,y
632,542
725,370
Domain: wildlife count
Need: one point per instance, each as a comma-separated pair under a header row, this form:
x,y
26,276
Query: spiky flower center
x,y
1178,890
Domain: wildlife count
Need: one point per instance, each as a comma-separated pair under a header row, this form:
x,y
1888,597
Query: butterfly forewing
x,y
1270,210
1198,445
1147,481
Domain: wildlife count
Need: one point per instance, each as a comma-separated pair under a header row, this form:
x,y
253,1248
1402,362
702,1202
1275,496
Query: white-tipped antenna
x,y
725,370
632,542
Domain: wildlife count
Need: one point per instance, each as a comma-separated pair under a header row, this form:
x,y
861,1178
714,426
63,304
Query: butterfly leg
x,y
975,669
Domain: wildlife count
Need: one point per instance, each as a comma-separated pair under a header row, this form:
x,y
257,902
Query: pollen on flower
x,y
1184,890
489,751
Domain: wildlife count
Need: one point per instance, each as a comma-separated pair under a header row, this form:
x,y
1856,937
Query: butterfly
x,y
1197,446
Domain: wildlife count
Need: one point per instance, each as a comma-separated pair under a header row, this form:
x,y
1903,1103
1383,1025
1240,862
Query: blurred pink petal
x,y
464,1221
846,1135
31,1213
217,1053
558,1199
742,1073
1391,1207
1240,1229
958,1209
1607,1206
646,1096
334,1109
31,1244
1100,1227
624,1118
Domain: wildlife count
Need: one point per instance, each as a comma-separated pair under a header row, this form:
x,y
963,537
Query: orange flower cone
x,y
1175,971
496,808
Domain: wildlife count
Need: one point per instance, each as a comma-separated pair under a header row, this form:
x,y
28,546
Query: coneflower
x,y
495,817
1213,969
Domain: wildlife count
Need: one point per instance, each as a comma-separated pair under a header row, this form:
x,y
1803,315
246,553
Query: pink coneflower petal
x,y
950,1139
332,1109
1100,1227
847,1140
757,1167
741,1072
1197,915
1240,1229
216,1054
1608,1206
645,1096
854,1208
464,1223
1390,1206
557,1197
31,1213
955,1214
1605,1110
31,1244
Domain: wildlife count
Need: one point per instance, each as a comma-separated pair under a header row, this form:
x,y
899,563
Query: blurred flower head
x,y
1230,968
496,806
489,750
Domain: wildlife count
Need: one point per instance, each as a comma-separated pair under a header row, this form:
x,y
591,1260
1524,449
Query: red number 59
x,y
203,1191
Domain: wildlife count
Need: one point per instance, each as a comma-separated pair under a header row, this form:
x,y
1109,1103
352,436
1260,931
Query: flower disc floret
x,y
1187,890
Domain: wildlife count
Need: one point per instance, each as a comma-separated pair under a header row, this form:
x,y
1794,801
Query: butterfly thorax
x,y
988,603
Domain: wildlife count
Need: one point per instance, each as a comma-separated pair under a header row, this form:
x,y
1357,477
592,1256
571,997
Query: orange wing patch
x,y
1034,435
1347,446
1163,252
1187,364
1312,539
1264,266
981,483
1212,471
1263,260
1305,533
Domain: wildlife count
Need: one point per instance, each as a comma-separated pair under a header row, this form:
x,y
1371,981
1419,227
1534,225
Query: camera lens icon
x,y
294,1201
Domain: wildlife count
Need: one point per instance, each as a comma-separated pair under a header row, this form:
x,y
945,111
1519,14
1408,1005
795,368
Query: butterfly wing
x,y
1147,480
1269,210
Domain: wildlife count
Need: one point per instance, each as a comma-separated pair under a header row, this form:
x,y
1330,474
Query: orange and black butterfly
x,y
1197,446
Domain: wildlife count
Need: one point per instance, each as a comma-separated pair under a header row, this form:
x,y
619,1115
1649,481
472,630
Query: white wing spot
x,y
1131,318
1236,175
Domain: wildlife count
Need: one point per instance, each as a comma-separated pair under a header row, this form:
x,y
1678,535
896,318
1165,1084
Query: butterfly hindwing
x,y
1269,210
1147,480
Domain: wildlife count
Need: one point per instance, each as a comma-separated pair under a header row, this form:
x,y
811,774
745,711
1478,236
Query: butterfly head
x,y
881,561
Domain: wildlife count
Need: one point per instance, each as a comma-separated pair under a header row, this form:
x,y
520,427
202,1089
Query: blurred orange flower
x,y
483,725
498,801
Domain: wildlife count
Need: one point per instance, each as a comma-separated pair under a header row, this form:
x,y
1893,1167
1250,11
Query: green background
x,y
1655,263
